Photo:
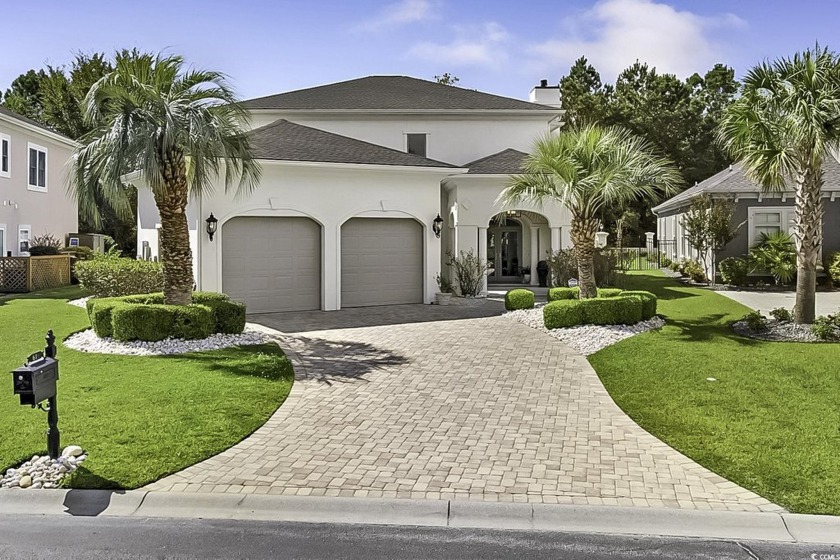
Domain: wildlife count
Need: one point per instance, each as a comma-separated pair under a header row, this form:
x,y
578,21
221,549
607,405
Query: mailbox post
x,y
35,382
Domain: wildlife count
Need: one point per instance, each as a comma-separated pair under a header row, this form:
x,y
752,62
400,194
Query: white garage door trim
x,y
381,262
272,264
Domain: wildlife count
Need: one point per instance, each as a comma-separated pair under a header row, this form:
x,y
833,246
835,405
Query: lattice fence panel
x,y
49,272
13,274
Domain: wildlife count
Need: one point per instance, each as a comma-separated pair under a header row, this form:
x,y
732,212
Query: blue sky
x,y
501,47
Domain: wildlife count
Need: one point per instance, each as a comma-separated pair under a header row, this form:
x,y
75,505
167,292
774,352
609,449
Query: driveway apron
x,y
481,408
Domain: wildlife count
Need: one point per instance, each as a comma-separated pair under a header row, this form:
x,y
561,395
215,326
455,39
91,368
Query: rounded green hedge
x,y
562,313
145,317
558,294
611,307
519,299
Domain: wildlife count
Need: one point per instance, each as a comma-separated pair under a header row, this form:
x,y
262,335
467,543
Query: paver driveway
x,y
481,408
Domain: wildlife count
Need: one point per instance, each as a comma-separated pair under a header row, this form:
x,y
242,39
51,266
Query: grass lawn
x,y
771,421
139,418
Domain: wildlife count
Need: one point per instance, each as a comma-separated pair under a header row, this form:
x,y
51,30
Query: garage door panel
x,y
272,264
381,262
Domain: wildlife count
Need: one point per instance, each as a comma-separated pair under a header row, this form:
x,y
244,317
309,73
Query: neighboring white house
x,y
33,162
353,176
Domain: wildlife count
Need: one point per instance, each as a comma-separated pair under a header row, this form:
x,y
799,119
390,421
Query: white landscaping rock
x,y
81,302
71,451
87,341
586,339
777,331
42,472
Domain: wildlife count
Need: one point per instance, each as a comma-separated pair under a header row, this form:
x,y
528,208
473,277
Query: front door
x,y
504,253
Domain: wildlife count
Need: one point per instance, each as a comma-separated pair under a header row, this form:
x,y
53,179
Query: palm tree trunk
x,y
174,240
808,237
583,237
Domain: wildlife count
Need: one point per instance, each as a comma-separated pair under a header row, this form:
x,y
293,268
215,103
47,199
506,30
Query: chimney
x,y
545,94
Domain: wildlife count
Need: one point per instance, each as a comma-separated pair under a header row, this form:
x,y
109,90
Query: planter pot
x,y
526,278
442,298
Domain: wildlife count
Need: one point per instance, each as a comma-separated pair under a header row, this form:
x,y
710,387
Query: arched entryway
x,y
516,242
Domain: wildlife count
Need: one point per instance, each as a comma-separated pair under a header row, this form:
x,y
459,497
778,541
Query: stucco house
x,y
353,176
758,211
33,162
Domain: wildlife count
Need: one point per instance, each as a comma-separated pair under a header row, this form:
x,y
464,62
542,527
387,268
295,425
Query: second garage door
x,y
272,264
381,262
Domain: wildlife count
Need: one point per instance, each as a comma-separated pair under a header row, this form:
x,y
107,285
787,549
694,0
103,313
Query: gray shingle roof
x,y
506,162
390,93
288,141
733,180
27,120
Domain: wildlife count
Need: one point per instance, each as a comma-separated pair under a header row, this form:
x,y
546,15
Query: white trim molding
x,y
7,140
3,241
30,146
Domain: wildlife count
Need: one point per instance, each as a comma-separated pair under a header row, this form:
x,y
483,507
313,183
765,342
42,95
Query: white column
x,y
535,254
482,254
331,267
556,244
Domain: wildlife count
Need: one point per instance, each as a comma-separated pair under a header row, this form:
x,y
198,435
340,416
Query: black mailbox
x,y
35,381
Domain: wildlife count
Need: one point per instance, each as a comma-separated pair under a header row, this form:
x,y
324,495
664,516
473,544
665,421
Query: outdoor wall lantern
x,y
437,225
212,222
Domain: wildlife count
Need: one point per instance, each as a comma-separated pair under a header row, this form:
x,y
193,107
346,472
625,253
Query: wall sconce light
x,y
437,226
212,222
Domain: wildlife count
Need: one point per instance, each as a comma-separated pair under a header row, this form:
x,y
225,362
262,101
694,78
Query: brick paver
x,y
479,409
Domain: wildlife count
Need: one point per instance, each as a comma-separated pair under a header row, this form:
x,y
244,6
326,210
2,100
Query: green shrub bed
x,y
111,276
146,317
611,307
519,299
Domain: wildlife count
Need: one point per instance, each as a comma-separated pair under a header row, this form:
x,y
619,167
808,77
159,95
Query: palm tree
x,y
783,126
182,129
588,169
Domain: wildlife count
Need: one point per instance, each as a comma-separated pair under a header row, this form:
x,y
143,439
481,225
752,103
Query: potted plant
x,y
445,289
526,274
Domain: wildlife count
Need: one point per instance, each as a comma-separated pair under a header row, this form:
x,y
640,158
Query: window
x,y
37,168
2,240
23,240
767,221
416,144
5,155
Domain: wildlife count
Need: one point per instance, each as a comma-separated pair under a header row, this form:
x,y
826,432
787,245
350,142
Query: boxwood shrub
x,y
519,299
556,294
145,317
648,302
110,275
609,292
562,313
611,311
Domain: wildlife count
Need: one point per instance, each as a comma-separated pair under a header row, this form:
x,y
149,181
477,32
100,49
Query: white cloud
x,y
613,34
401,13
483,44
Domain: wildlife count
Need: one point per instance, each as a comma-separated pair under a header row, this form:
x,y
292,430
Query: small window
x,y
5,155
416,144
37,168
23,240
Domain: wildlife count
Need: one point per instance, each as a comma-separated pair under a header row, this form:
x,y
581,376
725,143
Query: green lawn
x,y
771,421
140,418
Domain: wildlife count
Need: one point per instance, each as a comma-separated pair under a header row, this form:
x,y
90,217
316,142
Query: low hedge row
x,y
145,317
558,294
611,307
519,299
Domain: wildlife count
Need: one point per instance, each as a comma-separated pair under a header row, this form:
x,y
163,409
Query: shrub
x,y
781,314
563,266
609,292
228,316
832,267
519,299
555,294
776,254
694,270
755,321
733,271
648,302
141,322
825,328
562,314
665,261
45,244
469,271
674,266
108,275
612,311
192,321
99,313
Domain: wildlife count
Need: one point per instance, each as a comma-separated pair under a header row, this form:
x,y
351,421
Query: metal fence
x,y
644,258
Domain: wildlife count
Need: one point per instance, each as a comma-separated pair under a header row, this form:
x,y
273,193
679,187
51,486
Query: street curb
x,y
665,522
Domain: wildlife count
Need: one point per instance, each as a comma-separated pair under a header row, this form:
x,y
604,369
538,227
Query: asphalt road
x,y
122,538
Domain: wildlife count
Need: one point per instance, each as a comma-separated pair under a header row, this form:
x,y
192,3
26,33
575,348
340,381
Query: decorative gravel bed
x,y
81,302
87,341
586,339
43,472
777,332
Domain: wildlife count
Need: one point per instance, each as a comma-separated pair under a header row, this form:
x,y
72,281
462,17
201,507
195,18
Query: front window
x,y
5,155
37,168
23,240
416,144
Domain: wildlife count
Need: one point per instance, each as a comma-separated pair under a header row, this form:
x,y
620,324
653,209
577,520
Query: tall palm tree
x,y
182,129
587,169
783,126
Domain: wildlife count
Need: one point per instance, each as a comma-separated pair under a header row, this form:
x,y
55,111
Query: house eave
x,y
553,113
366,166
54,136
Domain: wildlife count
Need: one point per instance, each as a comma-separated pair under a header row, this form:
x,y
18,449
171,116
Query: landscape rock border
x,y
43,472
777,331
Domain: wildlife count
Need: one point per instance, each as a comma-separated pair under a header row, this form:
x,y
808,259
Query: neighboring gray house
x,y
760,212
33,195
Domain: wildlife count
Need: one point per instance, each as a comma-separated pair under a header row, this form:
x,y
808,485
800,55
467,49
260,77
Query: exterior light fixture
x,y
212,222
437,226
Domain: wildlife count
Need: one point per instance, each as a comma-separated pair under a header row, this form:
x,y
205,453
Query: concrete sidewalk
x,y
828,303
775,527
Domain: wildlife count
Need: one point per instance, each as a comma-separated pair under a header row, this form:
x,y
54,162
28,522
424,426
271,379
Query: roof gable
x,y
288,141
390,93
506,162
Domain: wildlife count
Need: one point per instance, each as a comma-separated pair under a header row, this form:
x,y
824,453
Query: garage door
x,y
272,264
381,262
